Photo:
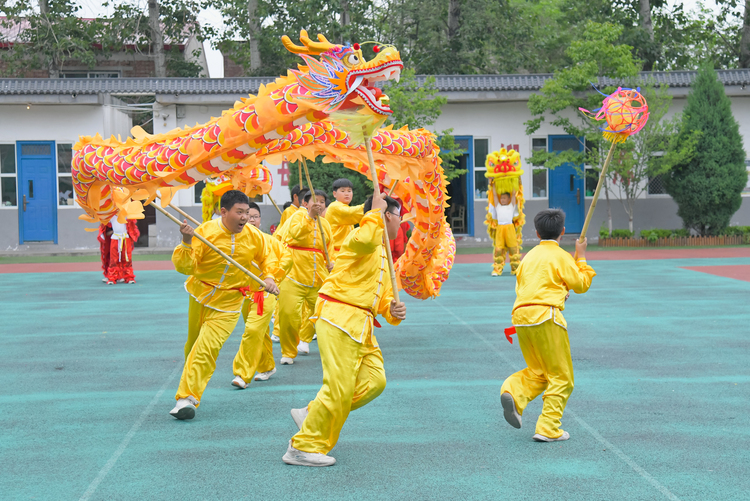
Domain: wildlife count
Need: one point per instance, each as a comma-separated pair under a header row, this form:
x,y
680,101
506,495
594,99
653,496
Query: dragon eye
x,y
352,59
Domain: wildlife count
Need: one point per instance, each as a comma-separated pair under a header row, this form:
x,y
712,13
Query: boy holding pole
x,y
544,280
217,290
341,216
347,304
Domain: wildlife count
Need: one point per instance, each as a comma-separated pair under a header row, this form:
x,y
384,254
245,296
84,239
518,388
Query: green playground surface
x,y
659,411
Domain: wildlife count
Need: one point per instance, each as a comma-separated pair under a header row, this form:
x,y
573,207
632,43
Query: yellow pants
x,y
353,376
253,354
213,329
546,351
308,329
296,304
505,239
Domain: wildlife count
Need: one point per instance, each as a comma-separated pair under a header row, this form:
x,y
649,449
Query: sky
x,y
93,8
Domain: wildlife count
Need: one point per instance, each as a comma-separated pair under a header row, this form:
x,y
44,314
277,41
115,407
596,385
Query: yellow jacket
x,y
543,279
360,279
301,231
215,283
278,250
286,215
342,219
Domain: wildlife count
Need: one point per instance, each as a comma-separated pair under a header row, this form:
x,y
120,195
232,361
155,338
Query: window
x,y
64,179
539,172
7,175
656,185
90,74
481,150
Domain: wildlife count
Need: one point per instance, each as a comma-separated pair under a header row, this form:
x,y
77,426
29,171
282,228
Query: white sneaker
x,y
542,438
286,361
494,274
294,456
131,281
104,280
120,280
239,382
275,339
315,336
303,348
263,376
299,416
110,282
509,410
185,408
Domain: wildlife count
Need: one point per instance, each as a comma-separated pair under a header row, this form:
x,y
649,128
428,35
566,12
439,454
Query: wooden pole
x,y
299,167
393,188
596,193
386,240
273,202
212,246
185,215
320,225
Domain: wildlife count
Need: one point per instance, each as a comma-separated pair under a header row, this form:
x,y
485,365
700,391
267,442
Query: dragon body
x,y
286,120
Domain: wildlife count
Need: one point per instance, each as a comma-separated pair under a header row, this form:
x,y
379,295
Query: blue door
x,y
37,186
566,185
461,189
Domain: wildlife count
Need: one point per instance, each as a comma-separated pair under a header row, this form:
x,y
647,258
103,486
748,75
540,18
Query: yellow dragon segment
x,y
286,120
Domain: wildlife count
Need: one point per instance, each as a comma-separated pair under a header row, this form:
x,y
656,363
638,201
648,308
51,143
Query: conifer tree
x,y
708,187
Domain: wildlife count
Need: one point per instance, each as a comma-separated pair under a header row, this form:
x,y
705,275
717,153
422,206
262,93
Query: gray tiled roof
x,y
245,85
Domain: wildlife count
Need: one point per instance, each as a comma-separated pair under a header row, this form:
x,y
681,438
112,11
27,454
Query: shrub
x,y
656,233
737,231
604,230
622,234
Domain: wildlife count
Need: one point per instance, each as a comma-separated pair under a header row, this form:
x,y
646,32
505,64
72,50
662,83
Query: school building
x,y
42,118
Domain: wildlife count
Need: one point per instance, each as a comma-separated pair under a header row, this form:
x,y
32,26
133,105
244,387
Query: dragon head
x,y
341,78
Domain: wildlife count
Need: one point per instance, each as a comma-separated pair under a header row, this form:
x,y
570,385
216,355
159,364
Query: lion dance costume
x,y
505,221
211,195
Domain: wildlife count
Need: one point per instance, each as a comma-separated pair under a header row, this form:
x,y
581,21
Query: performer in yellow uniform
x,y
256,349
309,270
296,192
340,215
353,374
216,290
543,281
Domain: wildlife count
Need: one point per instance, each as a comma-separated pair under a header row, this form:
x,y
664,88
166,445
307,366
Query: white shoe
x,y
509,410
286,361
239,382
494,274
299,416
275,339
120,280
185,408
131,281
263,376
294,456
542,438
110,282
303,348
315,336
104,280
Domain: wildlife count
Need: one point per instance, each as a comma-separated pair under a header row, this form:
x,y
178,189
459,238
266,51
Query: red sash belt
x,y
257,296
334,300
337,249
309,249
512,330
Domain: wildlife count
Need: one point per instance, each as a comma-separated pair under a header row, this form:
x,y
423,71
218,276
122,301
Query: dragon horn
x,y
310,47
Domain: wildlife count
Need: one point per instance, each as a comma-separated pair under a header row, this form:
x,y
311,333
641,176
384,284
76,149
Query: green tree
x,y
596,55
323,175
708,187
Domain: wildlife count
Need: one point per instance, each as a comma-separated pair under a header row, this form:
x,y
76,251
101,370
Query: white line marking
x,y
643,473
125,441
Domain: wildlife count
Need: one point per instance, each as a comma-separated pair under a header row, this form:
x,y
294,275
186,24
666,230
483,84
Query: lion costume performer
x,y
505,218
211,195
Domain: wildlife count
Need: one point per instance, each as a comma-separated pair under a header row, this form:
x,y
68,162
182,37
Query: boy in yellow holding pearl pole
x,y
357,290
341,216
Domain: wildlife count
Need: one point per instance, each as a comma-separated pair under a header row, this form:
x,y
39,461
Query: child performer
x,y
340,215
288,211
345,313
105,239
505,238
543,282
505,202
309,270
256,350
216,290
124,235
